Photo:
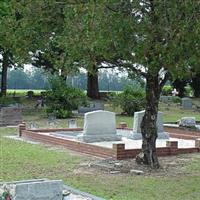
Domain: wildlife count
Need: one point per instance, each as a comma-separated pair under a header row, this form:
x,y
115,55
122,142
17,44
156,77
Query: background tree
x,y
7,42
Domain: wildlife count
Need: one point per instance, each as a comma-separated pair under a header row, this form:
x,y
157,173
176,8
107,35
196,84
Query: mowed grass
x,y
23,92
20,160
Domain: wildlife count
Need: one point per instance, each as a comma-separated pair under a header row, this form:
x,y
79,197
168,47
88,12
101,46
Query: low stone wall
x,y
118,151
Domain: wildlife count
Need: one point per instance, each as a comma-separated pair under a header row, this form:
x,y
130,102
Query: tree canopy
x,y
155,39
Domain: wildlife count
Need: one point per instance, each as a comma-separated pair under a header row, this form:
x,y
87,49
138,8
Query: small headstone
x,y
99,126
137,135
93,106
72,123
187,103
189,122
52,120
166,99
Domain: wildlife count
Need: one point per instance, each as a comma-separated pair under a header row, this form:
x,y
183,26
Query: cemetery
x,y
99,100
100,137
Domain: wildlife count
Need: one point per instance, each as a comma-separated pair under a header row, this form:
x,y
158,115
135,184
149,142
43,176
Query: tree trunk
x,y
5,64
148,155
93,84
195,84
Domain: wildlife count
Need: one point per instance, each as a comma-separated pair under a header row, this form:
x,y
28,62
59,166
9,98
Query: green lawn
x,y
20,160
23,92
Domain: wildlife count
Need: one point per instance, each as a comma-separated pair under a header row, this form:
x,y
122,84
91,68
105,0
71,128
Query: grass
x,y
19,160
23,92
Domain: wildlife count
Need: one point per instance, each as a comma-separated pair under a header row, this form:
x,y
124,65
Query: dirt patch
x,y
170,166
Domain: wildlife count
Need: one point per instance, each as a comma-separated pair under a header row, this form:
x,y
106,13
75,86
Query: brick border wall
x,y
182,133
118,151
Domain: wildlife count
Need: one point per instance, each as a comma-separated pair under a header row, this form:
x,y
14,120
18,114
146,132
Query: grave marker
x,y
99,126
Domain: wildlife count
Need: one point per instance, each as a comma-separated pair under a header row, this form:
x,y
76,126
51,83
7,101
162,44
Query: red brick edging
x,y
118,151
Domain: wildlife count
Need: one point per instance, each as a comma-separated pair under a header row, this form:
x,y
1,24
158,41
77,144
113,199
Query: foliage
x,y
188,91
176,99
130,100
62,99
6,101
167,90
30,94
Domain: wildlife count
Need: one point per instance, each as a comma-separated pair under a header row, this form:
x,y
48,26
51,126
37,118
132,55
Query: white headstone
x,y
187,103
99,126
189,122
138,116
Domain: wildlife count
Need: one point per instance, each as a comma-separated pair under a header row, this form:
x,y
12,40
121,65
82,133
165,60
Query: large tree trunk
x,y
93,84
195,84
5,64
148,155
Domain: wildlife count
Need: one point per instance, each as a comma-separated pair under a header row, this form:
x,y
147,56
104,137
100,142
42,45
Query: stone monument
x,y
187,103
36,189
99,126
10,116
137,135
188,122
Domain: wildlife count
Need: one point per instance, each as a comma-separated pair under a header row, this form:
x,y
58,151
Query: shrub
x,y
62,99
176,99
188,91
167,90
130,100
30,94
6,101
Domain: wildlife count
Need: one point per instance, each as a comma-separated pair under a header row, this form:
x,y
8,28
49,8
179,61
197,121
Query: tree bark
x,y
5,64
93,84
195,84
148,155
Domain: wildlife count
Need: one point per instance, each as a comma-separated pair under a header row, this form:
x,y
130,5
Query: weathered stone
x,y
99,126
137,135
10,116
38,190
187,103
166,99
189,122
93,106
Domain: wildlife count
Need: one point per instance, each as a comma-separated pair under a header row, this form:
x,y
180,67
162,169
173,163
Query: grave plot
x,y
186,128
104,140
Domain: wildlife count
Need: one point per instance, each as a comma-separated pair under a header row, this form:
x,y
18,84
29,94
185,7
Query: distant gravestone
x,y
137,135
10,116
93,106
72,123
166,99
99,126
189,122
187,103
